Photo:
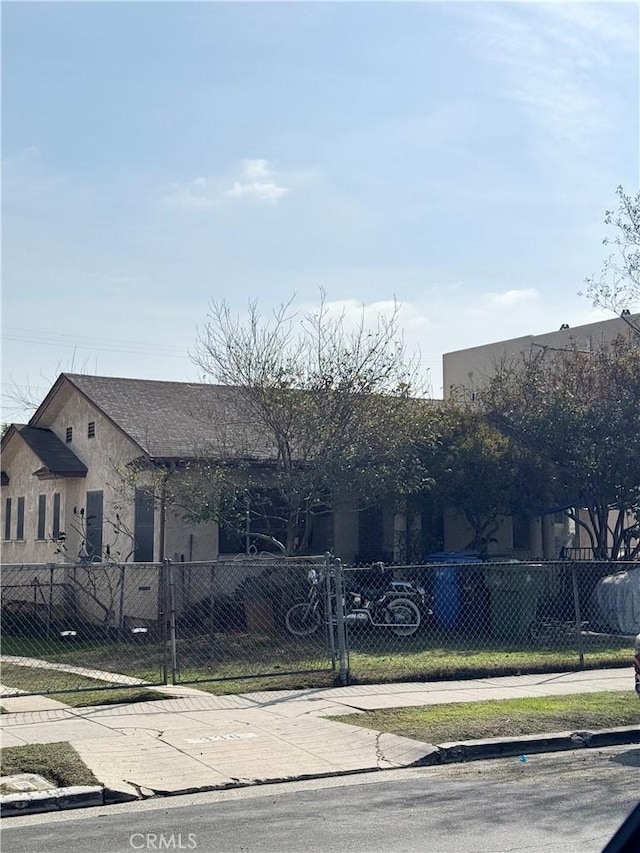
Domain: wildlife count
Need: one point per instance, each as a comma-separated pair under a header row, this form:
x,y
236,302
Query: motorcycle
x,y
396,605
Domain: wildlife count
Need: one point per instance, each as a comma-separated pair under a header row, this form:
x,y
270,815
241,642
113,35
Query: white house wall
x,y
104,455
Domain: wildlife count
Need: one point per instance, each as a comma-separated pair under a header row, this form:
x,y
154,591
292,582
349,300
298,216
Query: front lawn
x,y
222,664
57,762
458,721
71,689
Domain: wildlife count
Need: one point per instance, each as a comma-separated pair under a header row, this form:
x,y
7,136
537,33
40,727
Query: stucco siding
x,y
106,455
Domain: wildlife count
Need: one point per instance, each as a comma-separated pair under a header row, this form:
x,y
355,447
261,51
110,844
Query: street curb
x,y
55,799
503,747
36,802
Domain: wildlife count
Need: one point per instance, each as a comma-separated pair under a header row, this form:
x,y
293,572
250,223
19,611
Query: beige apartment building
x,y
465,372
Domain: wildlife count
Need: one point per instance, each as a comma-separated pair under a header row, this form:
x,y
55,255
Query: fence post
x,y
50,607
172,622
212,612
162,619
578,615
343,672
329,609
121,603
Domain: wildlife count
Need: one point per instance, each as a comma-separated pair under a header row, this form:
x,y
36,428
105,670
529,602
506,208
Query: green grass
x,y
57,762
376,657
503,718
140,660
452,661
424,658
44,681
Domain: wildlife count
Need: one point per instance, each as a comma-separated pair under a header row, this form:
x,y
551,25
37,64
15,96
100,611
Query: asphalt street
x,y
562,802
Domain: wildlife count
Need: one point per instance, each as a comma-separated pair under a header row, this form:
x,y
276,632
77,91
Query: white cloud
x,y
255,169
513,297
550,54
259,190
575,20
198,194
255,181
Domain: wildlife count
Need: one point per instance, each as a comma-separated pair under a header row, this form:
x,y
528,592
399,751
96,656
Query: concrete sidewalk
x,y
197,741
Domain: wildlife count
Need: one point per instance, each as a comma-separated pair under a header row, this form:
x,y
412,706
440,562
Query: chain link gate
x,y
227,620
101,626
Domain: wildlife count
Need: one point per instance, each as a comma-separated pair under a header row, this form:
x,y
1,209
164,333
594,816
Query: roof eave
x,y
48,474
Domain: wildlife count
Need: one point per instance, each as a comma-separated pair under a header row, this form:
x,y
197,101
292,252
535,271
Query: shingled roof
x,y
177,419
57,459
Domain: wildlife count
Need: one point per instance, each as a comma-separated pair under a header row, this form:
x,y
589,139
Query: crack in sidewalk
x,y
379,753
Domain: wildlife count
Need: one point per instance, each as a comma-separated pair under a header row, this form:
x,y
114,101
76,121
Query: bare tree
x,y
327,416
22,400
617,288
98,577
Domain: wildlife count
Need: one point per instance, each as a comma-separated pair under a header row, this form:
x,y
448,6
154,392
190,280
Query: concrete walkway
x,y
198,741
97,674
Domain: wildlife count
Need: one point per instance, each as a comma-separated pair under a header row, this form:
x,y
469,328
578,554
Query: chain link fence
x,y
309,621
81,627
103,625
461,619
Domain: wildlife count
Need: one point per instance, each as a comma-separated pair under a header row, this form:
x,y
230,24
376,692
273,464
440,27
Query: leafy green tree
x,y
578,412
482,473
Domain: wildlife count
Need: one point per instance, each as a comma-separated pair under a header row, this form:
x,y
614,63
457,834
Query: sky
x,y
456,157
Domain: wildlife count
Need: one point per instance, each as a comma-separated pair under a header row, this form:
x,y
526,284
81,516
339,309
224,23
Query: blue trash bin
x,y
447,595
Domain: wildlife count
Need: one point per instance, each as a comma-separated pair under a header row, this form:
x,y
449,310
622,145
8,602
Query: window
x,y
521,526
143,526
42,515
56,516
69,434
20,519
91,429
7,518
94,524
370,540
